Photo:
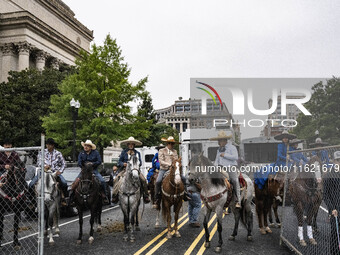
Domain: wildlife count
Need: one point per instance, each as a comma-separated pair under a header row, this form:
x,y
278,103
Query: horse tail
x,y
243,214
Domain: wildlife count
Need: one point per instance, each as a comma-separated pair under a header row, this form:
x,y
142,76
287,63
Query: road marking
x,y
63,224
212,233
166,239
199,237
157,237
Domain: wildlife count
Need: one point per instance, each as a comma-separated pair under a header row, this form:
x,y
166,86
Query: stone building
x,y
39,33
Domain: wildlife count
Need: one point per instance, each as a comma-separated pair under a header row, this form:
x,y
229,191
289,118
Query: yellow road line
x,y
212,233
157,237
199,237
165,239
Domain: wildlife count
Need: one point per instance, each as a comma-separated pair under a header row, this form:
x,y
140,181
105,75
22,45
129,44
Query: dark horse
x,y
265,200
12,190
87,195
216,194
306,194
152,185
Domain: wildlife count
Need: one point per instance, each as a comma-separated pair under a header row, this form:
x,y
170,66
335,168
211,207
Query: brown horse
x,y
172,195
276,202
306,194
152,185
264,199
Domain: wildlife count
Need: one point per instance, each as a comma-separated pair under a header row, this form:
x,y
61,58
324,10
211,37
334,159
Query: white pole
x,y
41,206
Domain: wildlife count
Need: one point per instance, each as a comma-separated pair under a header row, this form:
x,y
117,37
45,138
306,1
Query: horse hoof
x,y
249,238
169,236
207,245
268,230
91,239
99,228
132,239
177,234
263,231
137,228
302,243
218,249
56,235
51,243
57,231
312,241
78,241
157,225
231,238
125,238
271,225
278,225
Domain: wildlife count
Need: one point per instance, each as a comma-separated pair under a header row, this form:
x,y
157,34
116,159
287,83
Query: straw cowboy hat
x,y
318,143
295,141
170,139
285,134
222,135
131,140
160,146
89,142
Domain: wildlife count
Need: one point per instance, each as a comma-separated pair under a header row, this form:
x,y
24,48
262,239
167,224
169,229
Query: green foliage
x,y
325,109
24,99
102,87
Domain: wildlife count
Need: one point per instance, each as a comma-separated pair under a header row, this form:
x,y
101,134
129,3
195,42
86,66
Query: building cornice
x,y
25,19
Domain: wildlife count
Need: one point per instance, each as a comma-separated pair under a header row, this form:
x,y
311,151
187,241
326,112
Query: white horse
x,y
52,197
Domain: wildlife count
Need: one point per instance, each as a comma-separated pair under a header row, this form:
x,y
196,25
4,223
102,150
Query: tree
x,y
325,109
24,99
102,87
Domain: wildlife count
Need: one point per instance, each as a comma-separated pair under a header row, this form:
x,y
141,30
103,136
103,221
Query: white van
x,y
147,154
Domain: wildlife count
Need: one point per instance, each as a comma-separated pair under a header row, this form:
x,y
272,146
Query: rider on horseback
x,y
55,162
9,158
122,163
155,164
227,156
90,154
165,157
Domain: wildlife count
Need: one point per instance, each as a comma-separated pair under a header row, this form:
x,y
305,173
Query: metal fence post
x,y
41,198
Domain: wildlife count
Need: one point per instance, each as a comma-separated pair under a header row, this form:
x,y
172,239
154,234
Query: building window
x,y
185,126
187,108
178,127
179,108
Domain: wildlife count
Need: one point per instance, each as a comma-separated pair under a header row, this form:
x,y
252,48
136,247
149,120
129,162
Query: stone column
x,y
40,60
24,55
55,63
8,60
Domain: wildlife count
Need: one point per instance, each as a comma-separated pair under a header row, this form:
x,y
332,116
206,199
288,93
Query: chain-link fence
x,y
21,213
311,193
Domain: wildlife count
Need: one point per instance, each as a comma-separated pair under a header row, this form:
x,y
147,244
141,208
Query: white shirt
x,y
230,156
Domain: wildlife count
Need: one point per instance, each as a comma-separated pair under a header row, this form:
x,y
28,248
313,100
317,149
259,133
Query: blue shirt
x,y
124,157
230,156
93,157
298,156
323,156
155,162
281,154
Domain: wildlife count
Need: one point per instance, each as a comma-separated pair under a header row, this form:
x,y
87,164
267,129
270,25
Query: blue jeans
x,y
36,178
194,207
100,178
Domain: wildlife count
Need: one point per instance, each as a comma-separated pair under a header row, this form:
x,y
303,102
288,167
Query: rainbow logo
x,y
208,92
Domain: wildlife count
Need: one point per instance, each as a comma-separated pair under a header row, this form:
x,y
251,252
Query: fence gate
x,y
16,201
310,193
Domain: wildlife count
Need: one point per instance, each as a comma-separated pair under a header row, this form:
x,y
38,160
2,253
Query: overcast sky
x,y
173,41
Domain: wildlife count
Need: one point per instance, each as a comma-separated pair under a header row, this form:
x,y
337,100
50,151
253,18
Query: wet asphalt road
x,y
151,241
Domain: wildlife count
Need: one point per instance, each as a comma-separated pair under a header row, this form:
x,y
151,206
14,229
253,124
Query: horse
x,y
276,202
152,185
216,195
306,194
12,198
52,198
129,196
172,195
265,199
88,195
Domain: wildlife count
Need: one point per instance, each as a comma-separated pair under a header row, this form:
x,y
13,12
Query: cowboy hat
x,y
160,146
337,155
170,139
285,134
51,142
89,142
131,140
221,136
295,141
318,143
